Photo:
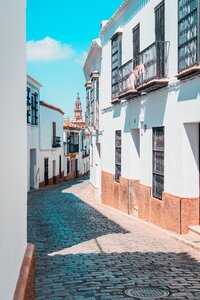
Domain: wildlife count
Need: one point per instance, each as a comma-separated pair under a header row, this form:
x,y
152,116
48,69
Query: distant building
x,y
51,145
78,118
33,132
92,68
76,145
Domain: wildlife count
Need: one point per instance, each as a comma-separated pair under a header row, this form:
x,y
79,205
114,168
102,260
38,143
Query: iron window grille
x,y
188,34
136,45
34,109
118,146
158,162
116,58
28,103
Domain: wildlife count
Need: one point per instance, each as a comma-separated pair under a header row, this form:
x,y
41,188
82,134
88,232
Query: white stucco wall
x,y
13,158
33,139
83,162
47,117
176,107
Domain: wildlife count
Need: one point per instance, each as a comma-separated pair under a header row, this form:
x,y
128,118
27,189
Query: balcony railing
x,y
151,67
56,142
153,62
73,148
126,83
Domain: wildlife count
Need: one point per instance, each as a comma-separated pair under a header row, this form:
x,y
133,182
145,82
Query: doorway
x,y
32,168
46,171
54,171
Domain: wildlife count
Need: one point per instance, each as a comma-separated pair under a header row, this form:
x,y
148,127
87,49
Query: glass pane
x,y
158,186
158,138
158,162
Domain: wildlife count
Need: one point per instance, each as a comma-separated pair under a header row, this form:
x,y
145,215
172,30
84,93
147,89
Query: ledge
x,y
152,85
129,94
188,73
115,101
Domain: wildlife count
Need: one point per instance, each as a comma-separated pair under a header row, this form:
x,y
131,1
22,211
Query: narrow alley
x,y
85,250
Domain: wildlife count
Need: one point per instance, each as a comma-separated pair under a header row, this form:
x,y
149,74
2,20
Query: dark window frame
x,y
158,160
28,103
118,154
136,45
34,109
188,34
116,61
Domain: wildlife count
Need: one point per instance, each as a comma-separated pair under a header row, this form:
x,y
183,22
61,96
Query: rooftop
x,y
45,104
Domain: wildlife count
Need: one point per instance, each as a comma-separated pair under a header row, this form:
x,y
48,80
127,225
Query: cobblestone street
x,y
85,250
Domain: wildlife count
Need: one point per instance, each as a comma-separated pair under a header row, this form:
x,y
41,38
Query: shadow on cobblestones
x,y
59,220
106,276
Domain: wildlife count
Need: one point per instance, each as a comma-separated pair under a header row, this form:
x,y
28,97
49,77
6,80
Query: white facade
x,y
33,132
76,153
175,107
51,144
13,161
92,69
137,108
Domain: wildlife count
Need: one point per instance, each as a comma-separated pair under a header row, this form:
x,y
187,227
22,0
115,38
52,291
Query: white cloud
x,y
47,49
81,58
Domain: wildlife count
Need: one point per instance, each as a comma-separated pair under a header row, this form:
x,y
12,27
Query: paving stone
x,y
85,250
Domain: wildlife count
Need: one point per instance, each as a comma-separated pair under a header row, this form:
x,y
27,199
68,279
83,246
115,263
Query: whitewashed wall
x,y
47,116
176,107
51,155
13,158
33,139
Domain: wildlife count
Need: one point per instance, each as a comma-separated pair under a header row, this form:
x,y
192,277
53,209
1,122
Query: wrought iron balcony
x,y
147,73
153,67
56,142
126,83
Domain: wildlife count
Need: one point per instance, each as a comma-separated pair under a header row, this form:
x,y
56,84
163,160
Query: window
x,y
46,171
68,167
158,162
28,103
136,45
60,166
116,53
160,21
188,47
117,155
54,132
160,38
34,109
92,102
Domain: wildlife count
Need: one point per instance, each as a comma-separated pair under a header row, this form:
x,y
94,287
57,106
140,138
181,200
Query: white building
x,y
33,132
76,151
149,91
51,169
13,158
92,68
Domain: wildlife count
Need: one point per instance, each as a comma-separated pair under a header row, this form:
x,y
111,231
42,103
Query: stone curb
x,y
25,289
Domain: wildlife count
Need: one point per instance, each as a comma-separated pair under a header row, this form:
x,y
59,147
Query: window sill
x,y
188,73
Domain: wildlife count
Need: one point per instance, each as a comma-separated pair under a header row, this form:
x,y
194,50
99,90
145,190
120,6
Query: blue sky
x,y
59,33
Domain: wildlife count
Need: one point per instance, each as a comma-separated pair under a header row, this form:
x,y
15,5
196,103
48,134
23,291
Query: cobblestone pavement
x,y
85,250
